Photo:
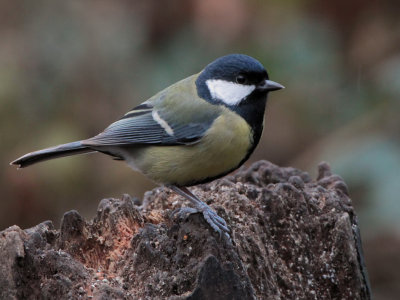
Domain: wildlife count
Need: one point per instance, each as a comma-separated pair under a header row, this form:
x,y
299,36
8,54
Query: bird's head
x,y
233,79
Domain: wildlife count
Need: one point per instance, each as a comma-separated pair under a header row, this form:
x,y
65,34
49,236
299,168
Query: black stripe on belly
x,y
252,110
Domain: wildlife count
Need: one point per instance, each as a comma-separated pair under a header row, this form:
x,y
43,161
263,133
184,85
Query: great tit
x,y
196,130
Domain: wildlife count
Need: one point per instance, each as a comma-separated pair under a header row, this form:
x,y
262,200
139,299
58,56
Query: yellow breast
x,y
221,150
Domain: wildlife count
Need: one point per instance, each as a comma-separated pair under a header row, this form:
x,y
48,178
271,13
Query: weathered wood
x,y
292,238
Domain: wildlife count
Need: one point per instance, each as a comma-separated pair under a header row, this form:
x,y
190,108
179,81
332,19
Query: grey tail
x,y
50,153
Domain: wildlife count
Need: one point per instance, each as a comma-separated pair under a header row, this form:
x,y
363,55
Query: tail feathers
x,y
50,153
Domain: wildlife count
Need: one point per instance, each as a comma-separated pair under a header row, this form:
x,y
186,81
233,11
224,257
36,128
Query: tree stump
x,y
292,238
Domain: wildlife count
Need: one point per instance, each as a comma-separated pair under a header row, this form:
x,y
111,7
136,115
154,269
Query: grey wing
x,y
144,125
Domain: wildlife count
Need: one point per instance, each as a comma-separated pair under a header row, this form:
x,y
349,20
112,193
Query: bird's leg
x,y
215,221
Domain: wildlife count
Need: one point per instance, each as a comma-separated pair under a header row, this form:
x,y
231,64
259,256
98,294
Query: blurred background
x,y
69,68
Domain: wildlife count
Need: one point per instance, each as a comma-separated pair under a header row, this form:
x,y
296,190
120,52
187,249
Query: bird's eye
x,y
241,79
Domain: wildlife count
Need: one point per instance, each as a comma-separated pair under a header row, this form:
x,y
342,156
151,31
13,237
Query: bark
x,y
292,238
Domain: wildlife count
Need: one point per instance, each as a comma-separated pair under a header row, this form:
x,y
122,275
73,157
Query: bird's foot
x,y
216,222
183,212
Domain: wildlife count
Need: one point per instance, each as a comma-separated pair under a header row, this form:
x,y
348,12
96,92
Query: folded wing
x,y
145,125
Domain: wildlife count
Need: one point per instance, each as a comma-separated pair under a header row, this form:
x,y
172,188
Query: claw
x,y
216,222
221,221
184,212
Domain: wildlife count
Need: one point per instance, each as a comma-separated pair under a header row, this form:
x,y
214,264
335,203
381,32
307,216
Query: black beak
x,y
269,86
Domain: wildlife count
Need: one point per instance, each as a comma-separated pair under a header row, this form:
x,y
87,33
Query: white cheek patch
x,y
230,93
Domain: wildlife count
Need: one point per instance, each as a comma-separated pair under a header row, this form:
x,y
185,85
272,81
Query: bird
x,y
195,131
